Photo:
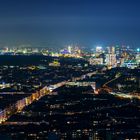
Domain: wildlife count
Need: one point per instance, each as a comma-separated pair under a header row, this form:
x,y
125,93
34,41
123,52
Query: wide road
x,y
21,104
119,94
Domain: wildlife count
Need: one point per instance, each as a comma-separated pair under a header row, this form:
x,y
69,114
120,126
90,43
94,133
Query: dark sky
x,y
59,22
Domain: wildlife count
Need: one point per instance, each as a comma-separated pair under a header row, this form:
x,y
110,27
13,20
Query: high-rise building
x,y
111,57
111,50
70,49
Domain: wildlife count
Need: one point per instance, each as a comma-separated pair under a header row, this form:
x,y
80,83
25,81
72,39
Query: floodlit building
x,y
111,57
96,61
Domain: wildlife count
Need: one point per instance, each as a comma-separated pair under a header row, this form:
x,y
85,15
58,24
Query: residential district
x,y
70,94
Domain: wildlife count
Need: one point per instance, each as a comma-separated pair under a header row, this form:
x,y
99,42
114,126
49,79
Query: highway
x,y
122,95
105,85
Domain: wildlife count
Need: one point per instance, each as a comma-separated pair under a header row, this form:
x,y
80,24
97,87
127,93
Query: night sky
x,y
54,23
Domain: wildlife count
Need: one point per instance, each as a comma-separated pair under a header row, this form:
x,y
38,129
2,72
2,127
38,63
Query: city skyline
x,y
54,24
69,70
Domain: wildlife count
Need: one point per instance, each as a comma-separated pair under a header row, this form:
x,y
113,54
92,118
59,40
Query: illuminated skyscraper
x,y
111,57
111,50
70,49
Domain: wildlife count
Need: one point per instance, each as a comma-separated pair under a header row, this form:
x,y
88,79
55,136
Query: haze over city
x,y
55,23
69,69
